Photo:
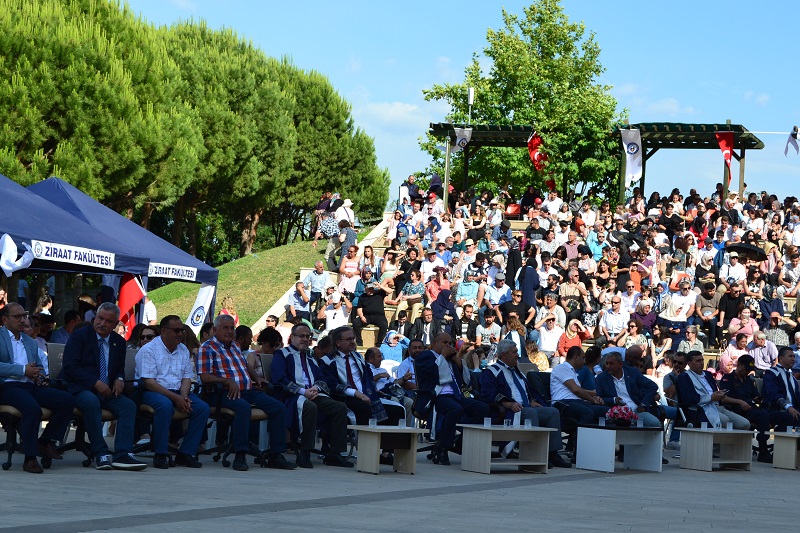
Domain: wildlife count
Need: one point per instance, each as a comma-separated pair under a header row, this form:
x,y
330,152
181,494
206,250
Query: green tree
x,y
543,72
88,93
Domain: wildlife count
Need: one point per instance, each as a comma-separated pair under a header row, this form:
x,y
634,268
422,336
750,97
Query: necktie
x,y
520,388
350,381
103,362
426,334
790,385
456,387
305,369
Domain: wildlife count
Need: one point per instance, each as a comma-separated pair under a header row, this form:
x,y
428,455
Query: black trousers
x,y
336,412
363,412
373,319
29,399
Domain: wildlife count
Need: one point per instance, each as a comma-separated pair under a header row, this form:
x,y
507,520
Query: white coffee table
x,y
476,453
697,449
371,440
786,450
597,448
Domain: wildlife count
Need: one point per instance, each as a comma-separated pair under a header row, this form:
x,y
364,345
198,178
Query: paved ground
x,y
70,498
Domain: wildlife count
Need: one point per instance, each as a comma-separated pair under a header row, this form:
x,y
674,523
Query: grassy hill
x,y
255,282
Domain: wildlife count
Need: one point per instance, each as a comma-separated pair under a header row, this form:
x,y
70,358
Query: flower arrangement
x,y
621,415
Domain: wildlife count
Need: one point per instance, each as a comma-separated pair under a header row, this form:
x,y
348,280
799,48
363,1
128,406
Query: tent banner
x,y
163,270
200,308
76,255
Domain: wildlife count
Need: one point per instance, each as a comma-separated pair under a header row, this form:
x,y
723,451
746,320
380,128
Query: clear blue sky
x,y
668,62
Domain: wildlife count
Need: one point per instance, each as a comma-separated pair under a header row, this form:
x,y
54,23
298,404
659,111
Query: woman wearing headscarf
x,y
769,303
443,309
528,281
513,262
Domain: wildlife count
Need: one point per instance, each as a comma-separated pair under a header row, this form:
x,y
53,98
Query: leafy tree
x,y
543,72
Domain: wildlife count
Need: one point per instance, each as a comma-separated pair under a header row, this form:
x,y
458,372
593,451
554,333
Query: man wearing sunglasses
x,y
164,368
22,386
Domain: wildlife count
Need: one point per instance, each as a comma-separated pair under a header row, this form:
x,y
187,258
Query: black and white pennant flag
x,y
632,144
463,135
793,141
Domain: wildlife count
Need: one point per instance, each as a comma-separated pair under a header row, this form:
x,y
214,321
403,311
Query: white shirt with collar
x,y
558,377
356,371
155,361
19,357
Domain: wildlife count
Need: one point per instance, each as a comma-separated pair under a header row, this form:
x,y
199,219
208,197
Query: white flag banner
x,y
793,141
632,144
201,306
9,262
463,135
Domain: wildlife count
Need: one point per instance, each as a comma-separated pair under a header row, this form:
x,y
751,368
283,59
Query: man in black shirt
x,y
370,312
525,312
534,232
729,306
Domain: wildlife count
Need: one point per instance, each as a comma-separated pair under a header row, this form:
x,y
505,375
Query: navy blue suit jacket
x,y
775,394
81,368
688,396
640,389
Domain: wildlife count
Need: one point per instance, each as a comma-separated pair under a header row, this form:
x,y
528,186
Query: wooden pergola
x,y
673,135
655,136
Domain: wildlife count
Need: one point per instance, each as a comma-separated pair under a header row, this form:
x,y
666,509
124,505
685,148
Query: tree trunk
x,y
192,230
249,230
178,221
147,213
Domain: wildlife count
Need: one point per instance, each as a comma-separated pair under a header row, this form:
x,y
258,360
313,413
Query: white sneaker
x,y
673,445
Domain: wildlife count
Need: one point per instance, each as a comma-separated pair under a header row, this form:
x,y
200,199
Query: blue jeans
x,y
162,418
123,408
276,411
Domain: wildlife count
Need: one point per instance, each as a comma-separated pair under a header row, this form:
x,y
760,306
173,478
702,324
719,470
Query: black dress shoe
x,y
240,463
48,450
32,466
556,461
304,459
443,458
279,462
161,461
387,459
337,460
183,459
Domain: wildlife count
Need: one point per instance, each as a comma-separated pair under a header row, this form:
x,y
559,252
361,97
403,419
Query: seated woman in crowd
x,y
536,357
574,334
645,316
443,309
410,296
633,336
369,261
744,323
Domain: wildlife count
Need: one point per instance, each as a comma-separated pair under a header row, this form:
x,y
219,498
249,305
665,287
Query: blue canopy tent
x,y
60,242
166,260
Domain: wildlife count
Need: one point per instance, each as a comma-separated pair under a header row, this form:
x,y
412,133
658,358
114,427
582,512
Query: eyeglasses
x,y
149,337
20,316
306,336
176,331
630,286
517,295
616,301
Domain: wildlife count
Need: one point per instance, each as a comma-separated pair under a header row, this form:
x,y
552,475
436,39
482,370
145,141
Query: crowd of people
x,y
617,306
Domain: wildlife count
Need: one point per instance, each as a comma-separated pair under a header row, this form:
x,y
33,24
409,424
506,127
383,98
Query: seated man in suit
x,y
437,384
426,328
698,393
741,399
625,385
94,371
348,375
583,405
503,385
401,325
23,386
221,361
781,390
304,391
165,370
